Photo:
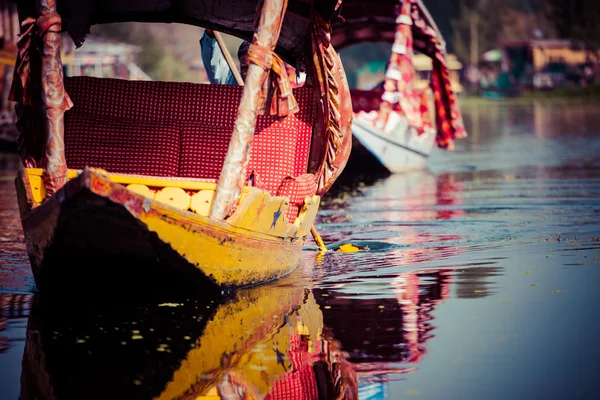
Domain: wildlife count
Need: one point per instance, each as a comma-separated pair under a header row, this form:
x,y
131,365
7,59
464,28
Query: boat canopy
x,y
376,21
409,26
236,18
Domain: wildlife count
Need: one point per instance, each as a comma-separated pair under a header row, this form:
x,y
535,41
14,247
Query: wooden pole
x,y
313,230
318,239
227,55
233,173
53,103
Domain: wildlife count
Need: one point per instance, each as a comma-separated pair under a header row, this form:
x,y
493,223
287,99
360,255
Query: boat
x,y
400,122
148,181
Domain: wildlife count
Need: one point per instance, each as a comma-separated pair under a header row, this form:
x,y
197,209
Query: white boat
x,y
400,120
398,149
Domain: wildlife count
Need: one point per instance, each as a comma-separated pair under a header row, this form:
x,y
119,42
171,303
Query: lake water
x,y
478,279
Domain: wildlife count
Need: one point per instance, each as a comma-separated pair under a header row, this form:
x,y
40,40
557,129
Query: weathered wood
x,y
234,169
53,100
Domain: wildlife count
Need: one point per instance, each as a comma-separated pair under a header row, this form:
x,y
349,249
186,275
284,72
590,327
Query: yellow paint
x,y
176,197
256,244
201,202
211,394
308,213
229,255
234,252
37,188
141,189
261,212
137,184
150,181
348,248
318,239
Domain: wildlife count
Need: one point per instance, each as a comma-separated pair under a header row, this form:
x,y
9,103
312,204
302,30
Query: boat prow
x,y
400,150
107,231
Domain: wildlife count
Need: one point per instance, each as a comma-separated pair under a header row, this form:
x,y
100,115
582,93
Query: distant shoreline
x,y
590,94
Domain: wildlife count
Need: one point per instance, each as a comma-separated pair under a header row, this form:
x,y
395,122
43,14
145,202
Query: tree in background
x,y
577,20
475,31
481,24
478,27
164,47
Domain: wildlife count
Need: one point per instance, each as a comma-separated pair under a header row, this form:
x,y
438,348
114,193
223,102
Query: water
x,y
479,279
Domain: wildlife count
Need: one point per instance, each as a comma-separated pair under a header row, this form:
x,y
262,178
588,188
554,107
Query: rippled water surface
x,y
478,279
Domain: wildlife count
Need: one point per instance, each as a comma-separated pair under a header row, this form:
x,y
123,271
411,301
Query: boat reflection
x,y
13,307
265,342
278,341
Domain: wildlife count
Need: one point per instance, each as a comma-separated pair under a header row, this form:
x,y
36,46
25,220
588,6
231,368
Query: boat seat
x,y
172,129
365,100
370,100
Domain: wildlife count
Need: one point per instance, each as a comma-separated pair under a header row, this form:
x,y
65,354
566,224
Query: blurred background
x,y
497,47
503,231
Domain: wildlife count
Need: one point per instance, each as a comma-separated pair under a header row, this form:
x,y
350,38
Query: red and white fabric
x,y
297,189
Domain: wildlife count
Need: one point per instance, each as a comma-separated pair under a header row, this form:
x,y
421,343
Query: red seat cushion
x,y
125,147
204,148
180,129
366,100
280,148
296,189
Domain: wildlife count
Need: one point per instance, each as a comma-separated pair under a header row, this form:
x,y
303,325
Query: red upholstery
x,y
297,189
181,129
196,140
118,147
366,100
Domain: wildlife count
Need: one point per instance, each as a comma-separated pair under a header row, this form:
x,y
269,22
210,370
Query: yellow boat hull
x,y
96,218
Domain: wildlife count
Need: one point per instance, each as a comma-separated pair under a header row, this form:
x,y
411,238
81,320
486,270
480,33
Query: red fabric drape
x,y
400,95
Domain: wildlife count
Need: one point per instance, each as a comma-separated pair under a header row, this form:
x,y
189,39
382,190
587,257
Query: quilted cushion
x,y
366,100
180,129
280,147
203,149
296,189
153,100
132,148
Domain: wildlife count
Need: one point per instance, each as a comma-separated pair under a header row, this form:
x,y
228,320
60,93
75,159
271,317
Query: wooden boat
x,y
146,180
401,122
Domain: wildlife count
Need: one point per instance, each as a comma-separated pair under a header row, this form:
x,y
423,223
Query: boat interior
x,y
168,140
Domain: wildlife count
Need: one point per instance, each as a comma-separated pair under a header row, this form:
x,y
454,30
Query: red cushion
x,y
131,148
197,122
366,100
296,189
203,150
